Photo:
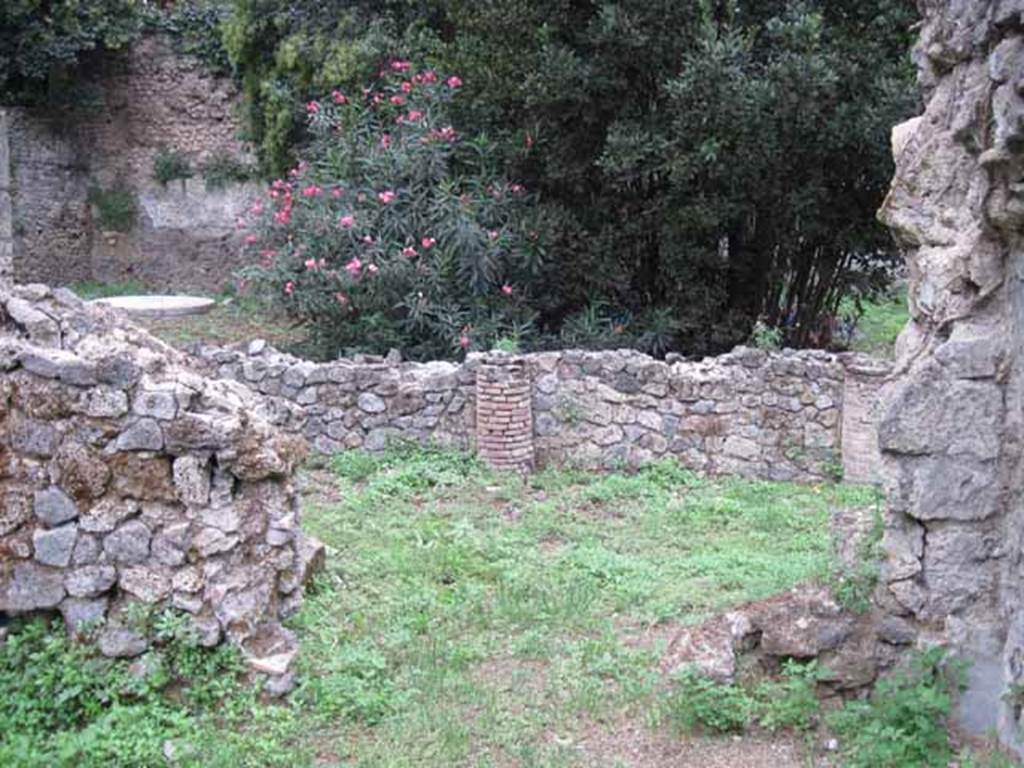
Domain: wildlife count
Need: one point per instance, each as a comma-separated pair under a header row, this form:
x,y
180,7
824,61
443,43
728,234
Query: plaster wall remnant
x,y
769,415
6,215
127,478
952,425
131,106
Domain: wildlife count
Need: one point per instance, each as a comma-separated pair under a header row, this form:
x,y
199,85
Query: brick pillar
x,y
504,413
864,379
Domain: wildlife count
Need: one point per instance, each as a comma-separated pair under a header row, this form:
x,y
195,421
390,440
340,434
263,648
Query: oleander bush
x,y
398,230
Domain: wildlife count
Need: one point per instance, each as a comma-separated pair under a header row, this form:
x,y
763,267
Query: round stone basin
x,y
159,306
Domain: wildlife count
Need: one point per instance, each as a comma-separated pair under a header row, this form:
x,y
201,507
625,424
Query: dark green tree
x,y
42,41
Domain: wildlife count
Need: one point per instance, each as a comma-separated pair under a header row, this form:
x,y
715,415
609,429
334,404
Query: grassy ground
x,y
881,323
472,619
464,619
467,619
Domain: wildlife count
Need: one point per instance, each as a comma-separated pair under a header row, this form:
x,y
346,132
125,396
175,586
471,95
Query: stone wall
x,y
953,422
134,105
126,478
750,413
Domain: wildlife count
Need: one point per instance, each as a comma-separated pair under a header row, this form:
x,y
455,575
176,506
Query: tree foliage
x,y
710,163
42,40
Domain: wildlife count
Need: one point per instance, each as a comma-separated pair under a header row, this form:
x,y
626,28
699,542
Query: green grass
x,y
464,615
234,319
881,323
91,289
467,618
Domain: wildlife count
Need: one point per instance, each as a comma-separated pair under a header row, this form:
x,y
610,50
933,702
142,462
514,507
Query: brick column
x,y
504,413
861,455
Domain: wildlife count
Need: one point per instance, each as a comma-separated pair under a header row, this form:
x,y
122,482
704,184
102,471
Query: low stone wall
x,y
127,478
751,413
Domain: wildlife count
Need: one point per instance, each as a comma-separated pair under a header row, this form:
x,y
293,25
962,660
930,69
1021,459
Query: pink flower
x,y
313,107
465,341
339,97
387,196
399,65
347,221
311,191
341,298
372,269
385,140
517,189
406,86
337,192
454,81
251,239
397,100
368,239
409,252
506,289
430,76
284,216
428,243
289,288
415,116
493,235
445,134
354,267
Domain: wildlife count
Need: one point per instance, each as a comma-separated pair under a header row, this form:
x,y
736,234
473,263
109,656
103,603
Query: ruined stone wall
x,y
126,478
952,428
132,105
750,413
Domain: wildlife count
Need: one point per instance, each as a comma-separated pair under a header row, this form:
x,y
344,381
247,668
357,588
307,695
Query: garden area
x,y
468,618
694,182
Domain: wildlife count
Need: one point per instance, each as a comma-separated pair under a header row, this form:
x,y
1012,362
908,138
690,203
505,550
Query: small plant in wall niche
x,y
508,345
224,168
569,411
116,210
170,165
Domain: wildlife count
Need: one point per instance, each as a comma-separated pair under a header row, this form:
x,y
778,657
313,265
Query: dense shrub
x,y
397,230
708,163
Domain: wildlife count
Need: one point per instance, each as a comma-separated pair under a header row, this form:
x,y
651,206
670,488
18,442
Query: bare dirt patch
x,y
628,744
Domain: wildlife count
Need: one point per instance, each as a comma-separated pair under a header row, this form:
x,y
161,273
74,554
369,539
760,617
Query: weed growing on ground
x,y
854,585
903,722
697,702
64,704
